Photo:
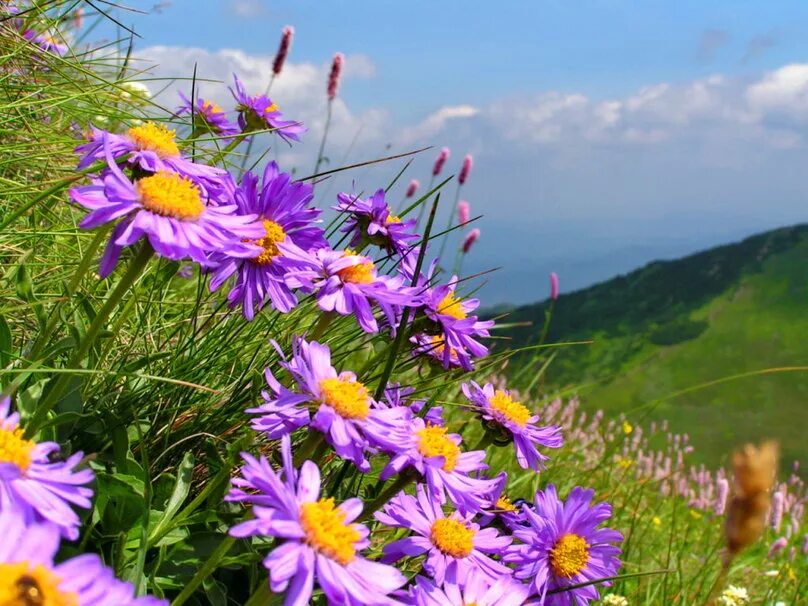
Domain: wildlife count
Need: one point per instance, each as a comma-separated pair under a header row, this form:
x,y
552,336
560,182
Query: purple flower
x,y
290,230
258,112
456,548
343,409
435,454
46,42
208,117
412,188
335,75
28,574
463,212
317,540
395,395
435,347
283,49
465,170
497,407
440,161
168,209
39,489
372,221
470,239
478,591
553,285
151,148
348,284
563,546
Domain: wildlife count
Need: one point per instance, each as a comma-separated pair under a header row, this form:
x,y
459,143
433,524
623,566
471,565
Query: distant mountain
x,y
672,326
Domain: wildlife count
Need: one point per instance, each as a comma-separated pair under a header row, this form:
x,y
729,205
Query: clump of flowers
x,y
733,596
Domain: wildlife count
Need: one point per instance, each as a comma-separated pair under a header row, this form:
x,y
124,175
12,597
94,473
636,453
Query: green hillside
x,y
673,326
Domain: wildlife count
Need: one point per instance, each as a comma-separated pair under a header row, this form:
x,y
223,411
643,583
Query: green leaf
x,y
182,487
5,343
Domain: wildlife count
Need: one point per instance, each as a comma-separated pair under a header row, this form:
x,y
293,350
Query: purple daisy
x,y
28,574
344,410
209,117
317,540
151,148
39,488
372,221
347,283
258,112
168,209
478,591
290,230
434,346
435,453
498,408
396,395
456,548
563,547
46,42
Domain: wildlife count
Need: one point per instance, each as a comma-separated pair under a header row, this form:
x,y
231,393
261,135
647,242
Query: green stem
x,y
205,570
322,142
404,479
322,325
485,441
262,596
310,444
136,267
228,148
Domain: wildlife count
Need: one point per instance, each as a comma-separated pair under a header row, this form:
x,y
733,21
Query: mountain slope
x,y
673,326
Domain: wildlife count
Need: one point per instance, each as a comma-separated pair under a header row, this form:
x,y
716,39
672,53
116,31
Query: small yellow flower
x,y
657,521
696,515
627,427
624,462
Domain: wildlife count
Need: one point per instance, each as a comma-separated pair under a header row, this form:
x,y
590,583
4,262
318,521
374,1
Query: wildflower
x,y
283,49
140,91
334,75
553,285
395,395
435,347
733,596
344,411
289,231
463,212
627,428
78,18
436,455
451,315
208,117
478,591
151,148
440,161
612,599
30,577
46,42
776,519
168,209
348,283
777,546
498,408
38,488
372,221
563,547
721,494
657,521
317,539
258,112
465,170
470,239
754,471
456,549
412,188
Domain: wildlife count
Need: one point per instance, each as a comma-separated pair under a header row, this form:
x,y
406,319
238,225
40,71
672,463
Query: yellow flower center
x,y
433,442
22,586
271,108
509,409
569,556
14,449
452,537
504,504
170,195
327,532
392,219
213,108
269,243
154,137
438,344
349,398
452,306
361,273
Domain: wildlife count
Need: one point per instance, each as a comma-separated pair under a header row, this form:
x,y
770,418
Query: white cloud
x,y
784,90
247,8
437,121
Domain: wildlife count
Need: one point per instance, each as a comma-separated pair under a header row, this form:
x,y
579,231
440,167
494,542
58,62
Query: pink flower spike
x,y
412,188
777,547
553,286
78,18
283,49
468,162
334,76
470,240
722,492
777,510
463,212
440,161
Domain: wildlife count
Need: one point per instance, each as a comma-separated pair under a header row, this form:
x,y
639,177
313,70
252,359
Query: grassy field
x,y
145,383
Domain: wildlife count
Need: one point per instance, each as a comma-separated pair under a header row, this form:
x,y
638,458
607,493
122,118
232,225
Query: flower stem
x,y
404,479
205,570
322,142
322,325
46,404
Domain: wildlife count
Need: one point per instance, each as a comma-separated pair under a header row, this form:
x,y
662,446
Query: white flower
x,y
733,596
772,573
612,599
138,89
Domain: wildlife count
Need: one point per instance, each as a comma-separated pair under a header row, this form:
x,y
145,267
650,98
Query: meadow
x,y
221,386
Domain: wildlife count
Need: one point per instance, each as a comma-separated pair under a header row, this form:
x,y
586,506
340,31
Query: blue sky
x,y
606,133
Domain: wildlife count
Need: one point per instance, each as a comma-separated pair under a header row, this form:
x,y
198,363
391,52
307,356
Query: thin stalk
x,y
402,481
205,570
251,142
322,142
451,219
